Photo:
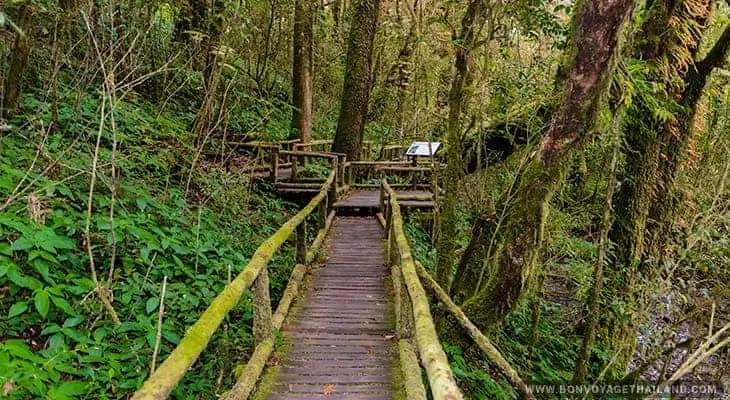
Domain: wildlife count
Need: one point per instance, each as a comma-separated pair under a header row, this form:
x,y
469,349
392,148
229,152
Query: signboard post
x,y
422,149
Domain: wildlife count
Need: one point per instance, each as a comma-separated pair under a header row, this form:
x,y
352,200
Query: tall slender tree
x,y
358,76
18,62
473,17
301,122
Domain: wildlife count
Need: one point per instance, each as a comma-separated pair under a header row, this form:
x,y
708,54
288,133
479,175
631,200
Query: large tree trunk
x,y
676,141
18,61
655,151
356,91
447,233
301,122
597,26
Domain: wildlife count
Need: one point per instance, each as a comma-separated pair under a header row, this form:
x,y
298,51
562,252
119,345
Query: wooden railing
x,y
415,328
324,146
159,385
392,152
413,317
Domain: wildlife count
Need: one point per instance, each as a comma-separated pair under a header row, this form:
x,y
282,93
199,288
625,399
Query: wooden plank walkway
x,y
369,200
341,346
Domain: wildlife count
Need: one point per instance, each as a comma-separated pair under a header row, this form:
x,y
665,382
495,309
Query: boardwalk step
x,y
341,338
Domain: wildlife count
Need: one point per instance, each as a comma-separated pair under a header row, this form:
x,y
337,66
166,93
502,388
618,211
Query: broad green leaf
x,y
61,303
67,390
152,304
50,241
42,303
23,281
6,249
72,321
23,243
19,348
171,336
17,309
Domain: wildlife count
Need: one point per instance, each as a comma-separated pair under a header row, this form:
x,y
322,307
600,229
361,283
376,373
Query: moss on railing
x,y
440,378
169,374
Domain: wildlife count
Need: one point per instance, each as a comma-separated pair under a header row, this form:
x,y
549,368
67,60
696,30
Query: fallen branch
x,y
699,355
159,325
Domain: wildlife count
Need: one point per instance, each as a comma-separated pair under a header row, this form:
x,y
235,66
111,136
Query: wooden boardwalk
x,y
368,201
341,337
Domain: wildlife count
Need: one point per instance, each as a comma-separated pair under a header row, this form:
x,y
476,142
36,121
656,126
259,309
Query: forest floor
x,y
57,341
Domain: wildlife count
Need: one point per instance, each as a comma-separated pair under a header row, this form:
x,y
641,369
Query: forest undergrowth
x,y
58,341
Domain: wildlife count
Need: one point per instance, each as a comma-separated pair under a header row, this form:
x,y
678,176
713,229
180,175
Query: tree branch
x,y
697,77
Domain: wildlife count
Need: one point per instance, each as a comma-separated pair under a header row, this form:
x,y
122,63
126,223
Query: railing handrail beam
x,y
168,375
434,360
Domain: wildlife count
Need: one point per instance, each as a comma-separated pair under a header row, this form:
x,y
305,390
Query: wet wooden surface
x,y
370,199
283,174
341,343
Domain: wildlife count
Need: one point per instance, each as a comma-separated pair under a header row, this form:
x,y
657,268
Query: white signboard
x,y
423,149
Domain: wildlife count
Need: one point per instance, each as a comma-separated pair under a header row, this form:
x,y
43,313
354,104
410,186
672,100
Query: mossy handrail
x,y
413,314
393,222
159,385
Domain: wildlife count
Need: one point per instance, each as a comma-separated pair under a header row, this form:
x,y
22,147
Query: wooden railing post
x,y
274,163
261,307
294,167
323,210
341,161
382,201
351,174
333,187
301,239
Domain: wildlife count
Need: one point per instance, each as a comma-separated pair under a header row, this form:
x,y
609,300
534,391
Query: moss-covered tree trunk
x,y
400,72
356,90
211,73
475,259
655,150
677,137
301,122
447,233
18,62
596,29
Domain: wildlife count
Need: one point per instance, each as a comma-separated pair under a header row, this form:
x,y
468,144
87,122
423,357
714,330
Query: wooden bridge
x,y
356,326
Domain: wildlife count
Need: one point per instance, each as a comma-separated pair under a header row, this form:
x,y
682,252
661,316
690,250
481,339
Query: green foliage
x,y
316,169
57,341
477,380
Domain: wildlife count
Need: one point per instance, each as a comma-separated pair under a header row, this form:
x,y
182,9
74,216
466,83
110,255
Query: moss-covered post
x,y
274,154
294,167
323,210
388,219
246,382
302,242
341,161
434,360
261,307
333,186
412,381
406,322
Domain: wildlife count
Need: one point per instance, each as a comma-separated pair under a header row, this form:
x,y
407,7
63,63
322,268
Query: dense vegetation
x,y
585,231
